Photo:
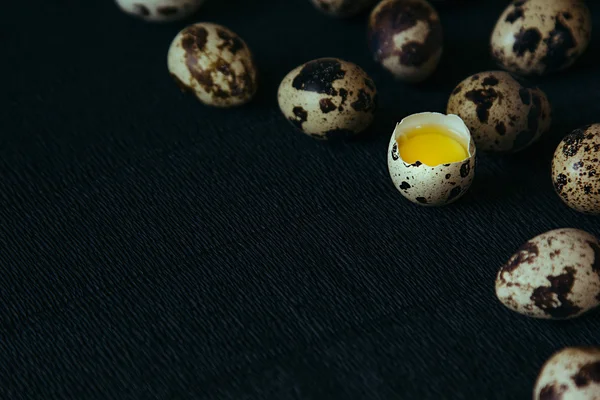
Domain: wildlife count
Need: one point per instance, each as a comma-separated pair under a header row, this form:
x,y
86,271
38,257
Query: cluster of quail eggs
x,y
555,275
501,109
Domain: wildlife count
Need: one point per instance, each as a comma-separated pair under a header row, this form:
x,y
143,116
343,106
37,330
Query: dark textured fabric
x,y
151,247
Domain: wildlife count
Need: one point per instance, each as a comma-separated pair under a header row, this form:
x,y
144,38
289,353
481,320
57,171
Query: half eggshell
x,y
431,185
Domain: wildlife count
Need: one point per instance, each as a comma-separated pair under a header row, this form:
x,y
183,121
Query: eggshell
x,y
576,169
328,98
541,36
160,10
572,373
555,275
405,36
431,185
503,113
342,8
214,64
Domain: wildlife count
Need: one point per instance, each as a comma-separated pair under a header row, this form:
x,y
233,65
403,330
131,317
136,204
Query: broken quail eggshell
x,y
435,185
537,37
405,37
571,373
342,8
214,64
160,10
555,275
503,113
328,98
576,169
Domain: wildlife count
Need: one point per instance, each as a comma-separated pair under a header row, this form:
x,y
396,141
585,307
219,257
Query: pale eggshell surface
x,y
214,63
431,185
541,36
555,275
504,114
328,98
160,10
570,374
576,169
406,38
342,8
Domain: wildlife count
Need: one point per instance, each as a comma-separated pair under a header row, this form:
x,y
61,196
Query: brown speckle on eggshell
x,y
576,169
405,36
328,98
541,36
555,275
571,373
214,63
160,10
504,113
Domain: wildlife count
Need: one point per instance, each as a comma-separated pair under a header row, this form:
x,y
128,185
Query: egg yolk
x,y
431,145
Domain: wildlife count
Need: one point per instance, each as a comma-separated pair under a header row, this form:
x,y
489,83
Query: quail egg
x,y
328,98
576,169
503,113
572,373
342,8
555,275
405,37
541,36
160,10
214,63
431,158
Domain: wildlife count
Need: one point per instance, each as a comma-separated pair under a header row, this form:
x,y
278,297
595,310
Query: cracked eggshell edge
x,y
452,121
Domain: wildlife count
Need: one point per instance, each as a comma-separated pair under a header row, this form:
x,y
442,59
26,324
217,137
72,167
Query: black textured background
x,y
151,247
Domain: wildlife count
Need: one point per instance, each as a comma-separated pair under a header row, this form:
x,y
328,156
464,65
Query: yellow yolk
x,y
431,145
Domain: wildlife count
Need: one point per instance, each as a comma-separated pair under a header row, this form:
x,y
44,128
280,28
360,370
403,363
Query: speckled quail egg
x,y
572,373
541,36
576,169
328,98
342,8
405,36
431,183
214,63
504,114
160,10
555,275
